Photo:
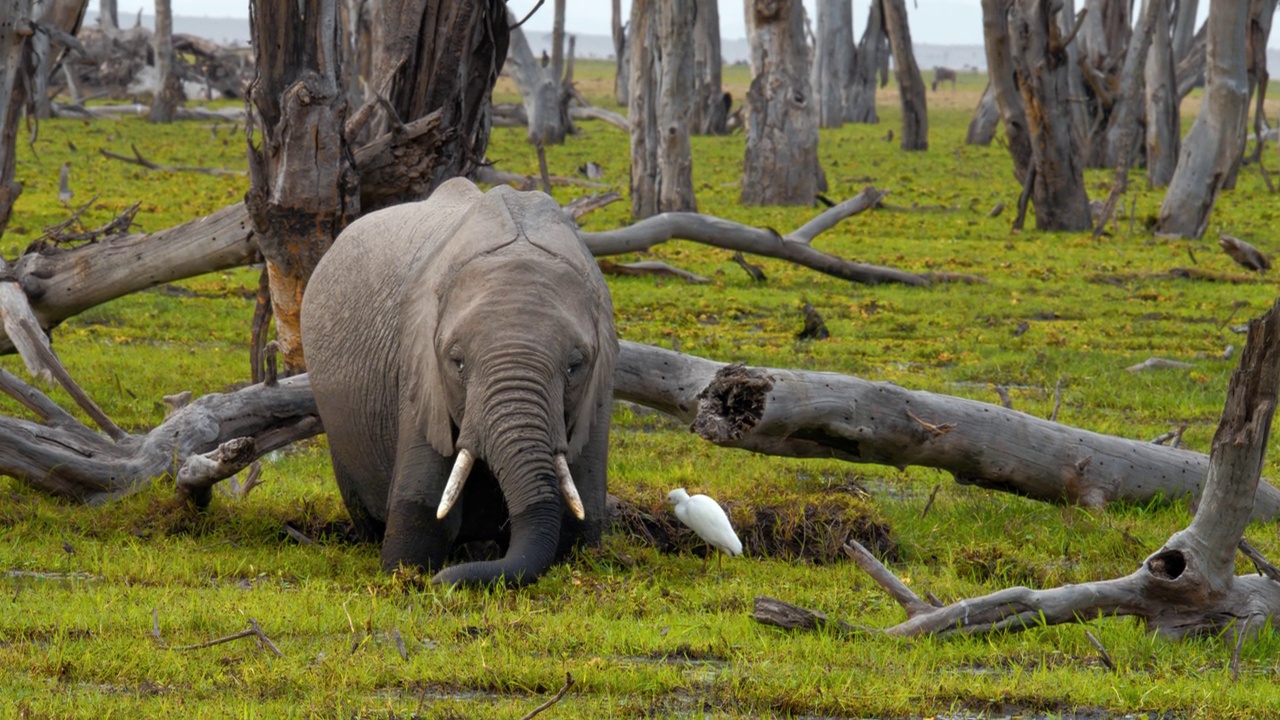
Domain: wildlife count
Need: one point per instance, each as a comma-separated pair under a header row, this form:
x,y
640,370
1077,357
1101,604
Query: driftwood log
x,y
1186,588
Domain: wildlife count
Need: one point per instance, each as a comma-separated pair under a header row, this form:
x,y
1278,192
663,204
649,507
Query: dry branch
x,y
1189,586
793,247
138,159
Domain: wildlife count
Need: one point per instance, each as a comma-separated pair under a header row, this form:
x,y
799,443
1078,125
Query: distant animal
x,y
706,518
461,351
941,75
1245,255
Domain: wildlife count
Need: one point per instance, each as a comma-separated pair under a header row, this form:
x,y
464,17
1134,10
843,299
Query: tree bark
x,y
710,110
1124,114
304,189
1164,125
1261,13
557,41
1213,144
662,98
1188,588
621,57
1191,65
832,60
1058,187
108,17
168,91
986,117
871,53
781,162
434,56
1004,83
15,30
915,116
1184,27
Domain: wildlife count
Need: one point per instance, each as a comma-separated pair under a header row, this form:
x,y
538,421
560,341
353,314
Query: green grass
x,y
646,633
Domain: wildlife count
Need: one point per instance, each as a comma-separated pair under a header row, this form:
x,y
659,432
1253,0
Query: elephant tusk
x,y
457,478
568,489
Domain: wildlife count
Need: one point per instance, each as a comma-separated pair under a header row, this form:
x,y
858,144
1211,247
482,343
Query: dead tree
x,y
871,55
1187,588
711,105
662,97
1004,83
108,17
1261,14
168,92
915,116
986,117
304,189
1056,178
545,104
1125,118
1104,38
780,166
832,59
1163,122
1213,144
15,30
621,57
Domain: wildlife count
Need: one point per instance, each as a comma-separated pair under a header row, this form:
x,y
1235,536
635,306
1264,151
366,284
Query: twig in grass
x,y
1241,634
254,630
568,683
395,635
753,270
1106,656
1057,401
1260,562
929,503
1005,400
137,159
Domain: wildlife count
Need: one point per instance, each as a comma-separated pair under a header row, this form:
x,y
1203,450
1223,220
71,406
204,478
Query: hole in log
x,y
1168,565
732,403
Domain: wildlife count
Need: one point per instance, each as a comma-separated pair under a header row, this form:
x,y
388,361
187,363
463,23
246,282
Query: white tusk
x,y
568,489
457,478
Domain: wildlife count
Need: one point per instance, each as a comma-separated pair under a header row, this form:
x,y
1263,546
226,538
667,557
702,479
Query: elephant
x,y
461,350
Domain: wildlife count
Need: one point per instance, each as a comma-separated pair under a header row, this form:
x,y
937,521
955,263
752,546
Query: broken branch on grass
x,y
771,611
138,159
491,175
254,630
578,207
1106,656
793,247
650,267
1259,561
1159,363
568,683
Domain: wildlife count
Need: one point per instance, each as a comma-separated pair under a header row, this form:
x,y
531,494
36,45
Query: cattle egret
x,y
706,518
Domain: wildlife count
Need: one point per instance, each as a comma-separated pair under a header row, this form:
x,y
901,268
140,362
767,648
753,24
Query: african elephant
x,y
461,350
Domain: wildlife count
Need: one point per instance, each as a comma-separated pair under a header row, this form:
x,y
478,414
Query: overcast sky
x,y
943,22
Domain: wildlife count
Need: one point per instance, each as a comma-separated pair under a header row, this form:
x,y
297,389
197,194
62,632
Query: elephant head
x,y
510,351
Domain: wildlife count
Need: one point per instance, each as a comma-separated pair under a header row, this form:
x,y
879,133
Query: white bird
x,y
705,516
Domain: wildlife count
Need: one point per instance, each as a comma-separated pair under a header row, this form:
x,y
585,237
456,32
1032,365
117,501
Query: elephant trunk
x,y
520,444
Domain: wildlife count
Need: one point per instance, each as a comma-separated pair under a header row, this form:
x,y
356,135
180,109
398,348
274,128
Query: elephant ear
x,y
600,385
421,377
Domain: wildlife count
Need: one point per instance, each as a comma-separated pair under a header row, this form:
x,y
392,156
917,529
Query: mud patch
x,y
796,531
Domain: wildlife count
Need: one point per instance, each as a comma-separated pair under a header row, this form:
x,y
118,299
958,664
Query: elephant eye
x,y
576,361
456,359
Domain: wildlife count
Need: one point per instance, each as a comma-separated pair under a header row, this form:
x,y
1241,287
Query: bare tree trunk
x,y
1104,38
710,109
662,92
1213,144
1058,186
781,161
435,57
304,189
1067,21
621,57
860,95
1004,85
557,42
108,16
1184,27
1190,67
832,59
1164,126
357,46
539,91
1261,13
168,92
986,117
15,15
1124,114
915,116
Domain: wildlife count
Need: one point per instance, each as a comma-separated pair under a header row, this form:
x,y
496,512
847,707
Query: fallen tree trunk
x,y
788,413
1186,588
794,413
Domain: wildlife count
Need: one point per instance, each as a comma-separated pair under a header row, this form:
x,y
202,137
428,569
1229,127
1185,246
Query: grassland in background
x,y
647,633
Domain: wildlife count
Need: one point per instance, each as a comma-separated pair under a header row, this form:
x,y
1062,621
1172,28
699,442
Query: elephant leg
x,y
367,527
414,537
589,474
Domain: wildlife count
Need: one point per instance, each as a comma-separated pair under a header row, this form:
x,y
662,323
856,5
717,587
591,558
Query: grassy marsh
x,y
647,633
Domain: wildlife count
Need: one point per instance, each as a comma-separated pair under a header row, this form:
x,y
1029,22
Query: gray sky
x,y
941,22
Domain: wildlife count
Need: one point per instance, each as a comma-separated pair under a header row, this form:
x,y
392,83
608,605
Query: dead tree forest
x,y
421,114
